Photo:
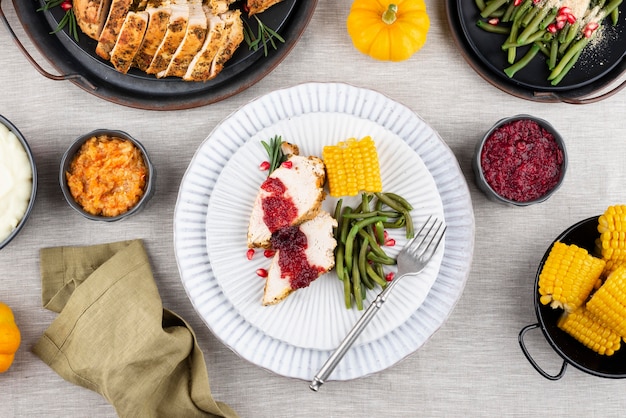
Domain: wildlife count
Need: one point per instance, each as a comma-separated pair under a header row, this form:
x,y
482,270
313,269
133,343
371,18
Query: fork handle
x,y
347,342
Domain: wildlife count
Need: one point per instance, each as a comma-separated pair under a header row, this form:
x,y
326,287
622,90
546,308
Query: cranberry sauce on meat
x,y
521,161
292,243
278,210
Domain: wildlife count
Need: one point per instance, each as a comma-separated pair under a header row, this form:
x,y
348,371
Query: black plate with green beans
x,y
529,64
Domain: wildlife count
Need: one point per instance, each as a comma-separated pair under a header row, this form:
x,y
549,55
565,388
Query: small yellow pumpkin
x,y
388,30
10,337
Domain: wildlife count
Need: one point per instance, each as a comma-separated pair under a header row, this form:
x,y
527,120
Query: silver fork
x,y
411,260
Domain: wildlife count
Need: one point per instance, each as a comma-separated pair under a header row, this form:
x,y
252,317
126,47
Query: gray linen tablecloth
x,y
472,366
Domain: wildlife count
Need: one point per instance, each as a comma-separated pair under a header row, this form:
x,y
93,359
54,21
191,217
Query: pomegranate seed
x,y
560,24
592,25
390,242
269,253
261,273
389,276
287,164
565,11
264,166
571,19
587,33
561,18
552,28
536,1
250,254
517,2
66,5
494,21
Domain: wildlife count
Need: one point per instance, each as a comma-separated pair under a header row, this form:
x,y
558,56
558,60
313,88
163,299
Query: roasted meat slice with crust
x,y
159,12
129,40
176,29
259,6
292,194
191,44
233,40
91,16
303,253
115,19
219,6
199,68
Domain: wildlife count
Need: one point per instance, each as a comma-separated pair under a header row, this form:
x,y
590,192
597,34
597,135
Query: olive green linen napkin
x,y
113,336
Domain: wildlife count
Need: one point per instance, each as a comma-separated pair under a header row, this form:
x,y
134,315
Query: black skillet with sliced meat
x,y
138,89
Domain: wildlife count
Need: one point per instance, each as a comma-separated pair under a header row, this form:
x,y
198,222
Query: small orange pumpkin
x,y
388,30
10,337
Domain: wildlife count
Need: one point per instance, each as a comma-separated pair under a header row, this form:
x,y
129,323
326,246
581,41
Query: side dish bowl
x,y
520,161
584,235
148,178
33,168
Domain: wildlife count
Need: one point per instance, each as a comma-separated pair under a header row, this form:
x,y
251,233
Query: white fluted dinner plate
x,y
214,203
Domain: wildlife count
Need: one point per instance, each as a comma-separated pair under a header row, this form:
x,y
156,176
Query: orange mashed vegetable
x,y
107,176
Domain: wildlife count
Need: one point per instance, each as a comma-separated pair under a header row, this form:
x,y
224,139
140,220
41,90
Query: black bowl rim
x,y
33,194
480,178
566,354
71,151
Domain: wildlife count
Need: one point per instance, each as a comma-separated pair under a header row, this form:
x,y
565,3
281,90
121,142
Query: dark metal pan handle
x,y
588,100
532,361
32,60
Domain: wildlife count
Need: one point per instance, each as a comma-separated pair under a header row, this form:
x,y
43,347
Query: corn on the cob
x,y
609,302
590,331
352,167
568,276
612,229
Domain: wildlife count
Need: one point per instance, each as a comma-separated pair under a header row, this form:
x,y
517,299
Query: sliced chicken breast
x,y
176,29
303,253
115,19
199,68
129,40
191,43
159,13
233,40
259,6
91,16
292,194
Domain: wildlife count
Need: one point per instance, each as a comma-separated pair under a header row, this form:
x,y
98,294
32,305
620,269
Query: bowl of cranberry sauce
x,y
520,161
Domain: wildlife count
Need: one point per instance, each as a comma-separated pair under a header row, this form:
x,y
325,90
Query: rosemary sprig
x,y
274,152
69,18
263,36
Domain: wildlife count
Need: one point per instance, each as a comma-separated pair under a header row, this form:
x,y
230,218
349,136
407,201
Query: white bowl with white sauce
x,y
18,181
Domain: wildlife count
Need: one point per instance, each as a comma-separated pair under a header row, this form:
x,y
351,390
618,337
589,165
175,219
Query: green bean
x,y
548,19
379,232
339,260
529,16
356,285
491,7
566,69
354,231
375,276
569,55
374,246
554,52
510,71
509,13
388,261
533,26
360,233
347,289
343,235
402,201
503,30
398,223
362,262
480,4
521,11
